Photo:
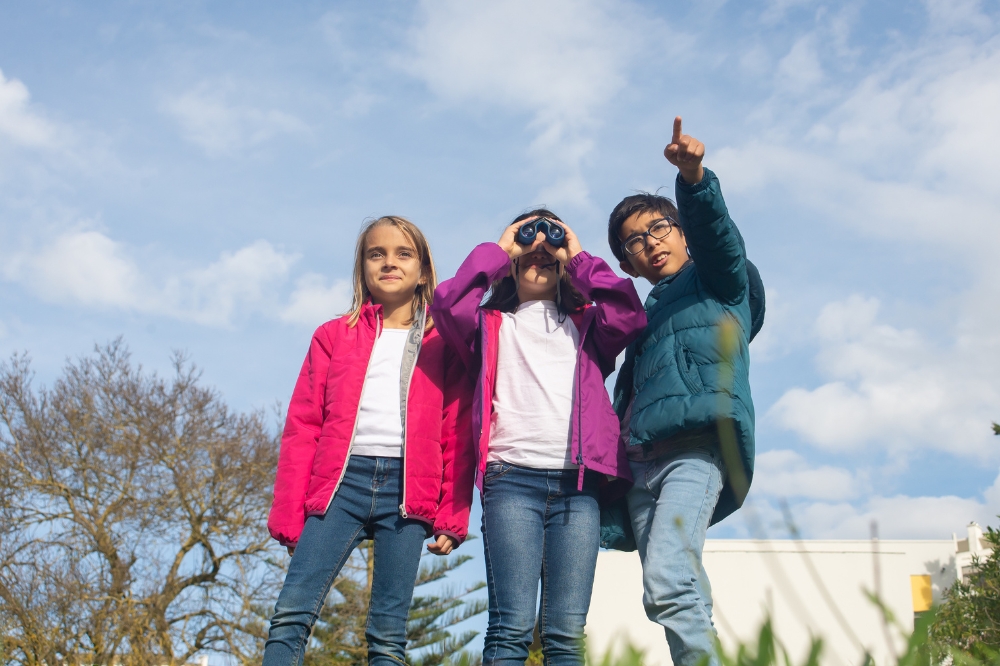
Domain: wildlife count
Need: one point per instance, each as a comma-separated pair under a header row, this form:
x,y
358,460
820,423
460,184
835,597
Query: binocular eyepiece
x,y
554,233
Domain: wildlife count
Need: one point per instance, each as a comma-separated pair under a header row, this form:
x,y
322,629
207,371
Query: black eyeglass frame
x,y
649,232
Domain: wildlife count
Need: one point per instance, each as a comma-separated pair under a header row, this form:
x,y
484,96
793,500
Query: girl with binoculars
x,y
541,322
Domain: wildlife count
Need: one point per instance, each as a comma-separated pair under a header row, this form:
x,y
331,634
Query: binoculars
x,y
554,233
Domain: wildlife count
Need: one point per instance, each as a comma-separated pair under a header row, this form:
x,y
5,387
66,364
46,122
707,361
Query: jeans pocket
x,y
495,470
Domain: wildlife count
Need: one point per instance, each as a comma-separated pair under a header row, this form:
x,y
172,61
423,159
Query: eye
x,y
407,254
660,229
374,254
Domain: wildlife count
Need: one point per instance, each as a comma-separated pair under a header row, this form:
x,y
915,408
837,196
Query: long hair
x,y
502,295
423,296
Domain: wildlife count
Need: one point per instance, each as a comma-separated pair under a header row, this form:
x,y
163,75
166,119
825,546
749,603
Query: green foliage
x,y
969,618
629,656
767,652
430,629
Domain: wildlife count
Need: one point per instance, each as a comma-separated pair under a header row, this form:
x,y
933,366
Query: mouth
x,y
540,262
389,278
659,259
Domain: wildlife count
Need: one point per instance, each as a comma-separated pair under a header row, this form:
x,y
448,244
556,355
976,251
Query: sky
x,y
192,176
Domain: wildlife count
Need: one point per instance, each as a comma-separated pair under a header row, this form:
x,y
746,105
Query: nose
x,y
651,243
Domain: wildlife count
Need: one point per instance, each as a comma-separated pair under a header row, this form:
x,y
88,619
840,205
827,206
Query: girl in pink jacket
x,y
377,445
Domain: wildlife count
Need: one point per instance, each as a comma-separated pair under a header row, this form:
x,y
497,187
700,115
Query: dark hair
x,y
502,295
643,202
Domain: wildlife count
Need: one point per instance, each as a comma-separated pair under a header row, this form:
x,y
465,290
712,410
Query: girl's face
x,y
537,276
391,266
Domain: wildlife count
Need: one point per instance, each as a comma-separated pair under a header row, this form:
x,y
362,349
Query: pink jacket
x,y
438,455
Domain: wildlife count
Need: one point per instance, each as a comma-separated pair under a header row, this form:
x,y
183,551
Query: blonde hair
x,y
423,296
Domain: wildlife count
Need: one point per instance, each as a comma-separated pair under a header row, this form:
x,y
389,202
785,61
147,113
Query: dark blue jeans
x,y
538,526
367,503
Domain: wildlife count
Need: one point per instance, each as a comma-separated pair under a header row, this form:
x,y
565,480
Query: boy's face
x,y
661,256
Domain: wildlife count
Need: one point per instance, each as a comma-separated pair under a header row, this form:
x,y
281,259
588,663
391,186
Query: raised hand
x,y
686,153
508,241
570,246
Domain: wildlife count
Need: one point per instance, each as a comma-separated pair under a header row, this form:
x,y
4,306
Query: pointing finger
x,y
677,130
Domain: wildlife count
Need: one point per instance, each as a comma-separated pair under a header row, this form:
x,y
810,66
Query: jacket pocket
x,y
688,370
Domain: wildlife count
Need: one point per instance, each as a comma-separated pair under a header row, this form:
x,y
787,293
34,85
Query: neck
x,y
524,296
396,315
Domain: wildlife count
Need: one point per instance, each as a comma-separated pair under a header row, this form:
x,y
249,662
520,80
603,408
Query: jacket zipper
x,y
354,431
409,381
579,394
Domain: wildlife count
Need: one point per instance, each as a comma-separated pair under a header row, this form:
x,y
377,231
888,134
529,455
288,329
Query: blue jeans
x,y
538,526
366,506
671,505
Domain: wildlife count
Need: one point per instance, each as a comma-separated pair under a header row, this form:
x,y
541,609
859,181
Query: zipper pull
x,y
402,511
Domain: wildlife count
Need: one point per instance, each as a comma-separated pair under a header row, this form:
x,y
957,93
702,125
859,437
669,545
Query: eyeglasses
x,y
660,228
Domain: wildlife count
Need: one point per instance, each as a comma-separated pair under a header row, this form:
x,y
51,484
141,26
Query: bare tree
x,y
132,516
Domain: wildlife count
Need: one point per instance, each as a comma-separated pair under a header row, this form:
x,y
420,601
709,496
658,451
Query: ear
x,y
627,267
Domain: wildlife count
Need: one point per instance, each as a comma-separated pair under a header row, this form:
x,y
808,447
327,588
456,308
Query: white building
x,y
808,588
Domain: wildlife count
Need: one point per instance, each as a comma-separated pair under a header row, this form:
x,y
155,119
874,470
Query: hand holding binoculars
x,y
555,235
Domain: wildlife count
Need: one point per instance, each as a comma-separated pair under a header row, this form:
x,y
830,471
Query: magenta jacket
x,y
438,455
606,328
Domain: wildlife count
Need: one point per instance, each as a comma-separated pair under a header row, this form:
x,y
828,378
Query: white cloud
x,y
559,62
907,153
950,15
248,278
896,516
891,388
313,302
17,121
220,127
909,148
800,71
84,267
89,269
786,474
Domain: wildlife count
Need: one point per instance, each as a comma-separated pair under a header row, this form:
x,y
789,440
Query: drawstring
x,y
562,315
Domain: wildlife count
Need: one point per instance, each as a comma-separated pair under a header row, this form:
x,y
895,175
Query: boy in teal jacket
x,y
683,392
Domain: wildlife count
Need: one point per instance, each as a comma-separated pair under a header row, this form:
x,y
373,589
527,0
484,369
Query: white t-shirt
x,y
533,396
380,428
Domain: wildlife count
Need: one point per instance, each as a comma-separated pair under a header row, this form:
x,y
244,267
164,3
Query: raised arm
x,y
712,237
456,301
620,315
298,443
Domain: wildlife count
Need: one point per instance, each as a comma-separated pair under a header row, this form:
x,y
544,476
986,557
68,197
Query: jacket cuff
x,y
575,262
705,182
458,538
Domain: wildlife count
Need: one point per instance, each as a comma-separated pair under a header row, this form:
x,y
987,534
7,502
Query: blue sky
x,y
193,177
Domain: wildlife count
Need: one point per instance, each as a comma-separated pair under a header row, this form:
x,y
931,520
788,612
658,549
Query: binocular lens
x,y
529,230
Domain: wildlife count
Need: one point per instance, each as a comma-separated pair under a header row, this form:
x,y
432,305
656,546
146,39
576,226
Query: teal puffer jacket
x,y
689,369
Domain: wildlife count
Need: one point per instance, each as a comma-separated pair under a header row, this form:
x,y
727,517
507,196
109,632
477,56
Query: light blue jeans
x,y
538,527
671,505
